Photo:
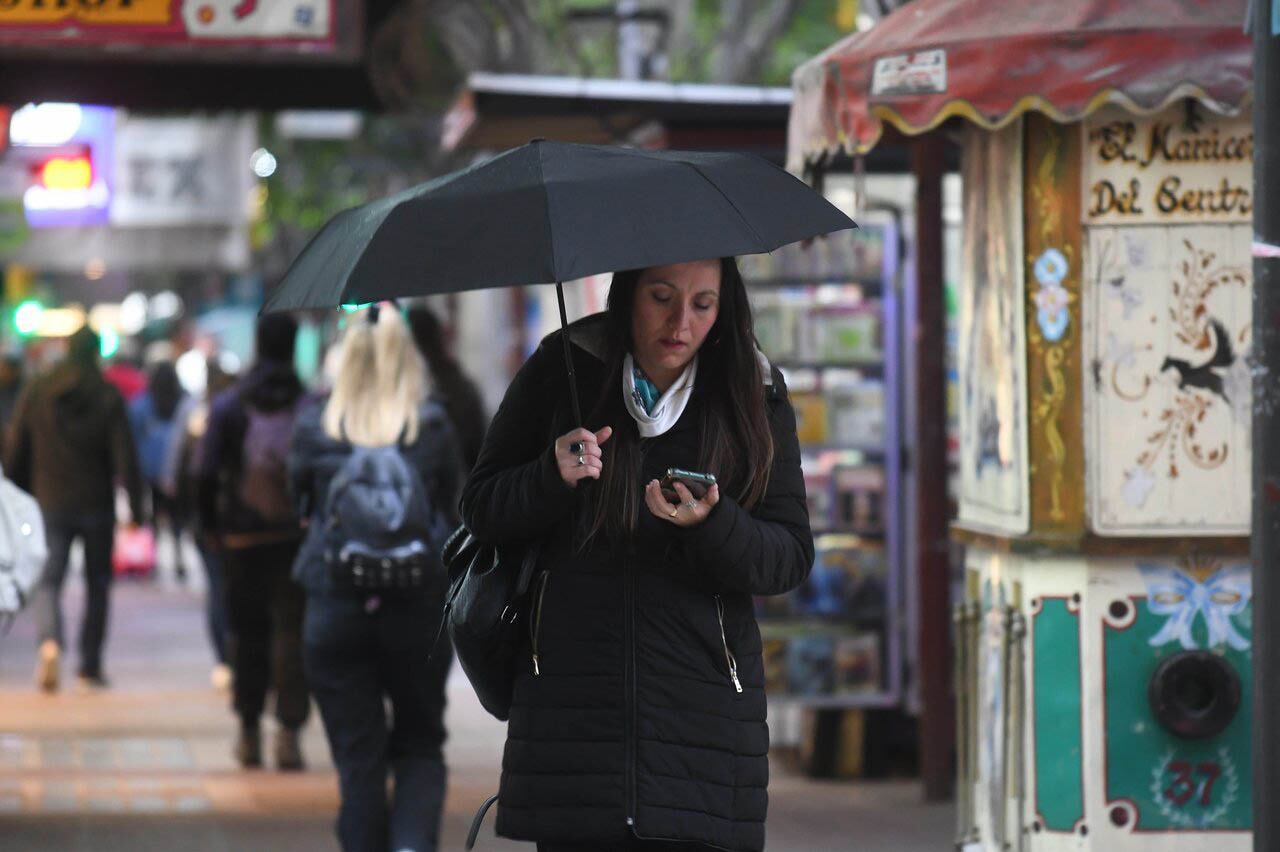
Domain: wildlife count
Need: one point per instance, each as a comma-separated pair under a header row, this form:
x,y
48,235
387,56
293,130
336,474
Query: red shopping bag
x,y
134,553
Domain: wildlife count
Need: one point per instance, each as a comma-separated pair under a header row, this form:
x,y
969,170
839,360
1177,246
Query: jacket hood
x,y
271,386
78,395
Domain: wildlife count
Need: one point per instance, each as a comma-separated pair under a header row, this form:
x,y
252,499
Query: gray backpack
x,y
22,548
381,530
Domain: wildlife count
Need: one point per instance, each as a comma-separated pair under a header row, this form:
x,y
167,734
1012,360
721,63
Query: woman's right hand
x,y
575,466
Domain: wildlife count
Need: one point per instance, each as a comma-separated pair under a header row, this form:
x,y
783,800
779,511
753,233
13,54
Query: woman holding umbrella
x,y
638,713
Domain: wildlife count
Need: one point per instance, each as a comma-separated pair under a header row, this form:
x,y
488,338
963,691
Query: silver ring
x,y
581,461
692,504
576,448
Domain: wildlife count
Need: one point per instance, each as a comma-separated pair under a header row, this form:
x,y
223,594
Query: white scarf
x,y
669,406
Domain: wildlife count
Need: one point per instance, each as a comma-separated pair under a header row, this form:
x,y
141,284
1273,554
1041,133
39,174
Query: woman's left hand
x,y
689,512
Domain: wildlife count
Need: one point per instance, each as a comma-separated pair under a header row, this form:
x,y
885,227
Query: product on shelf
x,y
774,651
859,498
855,412
857,664
811,416
848,580
846,334
811,664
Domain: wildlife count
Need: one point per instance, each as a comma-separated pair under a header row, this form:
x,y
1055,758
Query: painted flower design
x,y
1138,482
1051,311
1051,268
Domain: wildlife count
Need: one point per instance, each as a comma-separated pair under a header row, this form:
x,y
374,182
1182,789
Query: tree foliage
x,y
421,54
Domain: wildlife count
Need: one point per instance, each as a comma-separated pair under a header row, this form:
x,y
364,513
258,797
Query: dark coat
x,y
70,442
633,723
315,458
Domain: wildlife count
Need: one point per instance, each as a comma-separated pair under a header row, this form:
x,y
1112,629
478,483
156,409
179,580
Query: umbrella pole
x,y
568,356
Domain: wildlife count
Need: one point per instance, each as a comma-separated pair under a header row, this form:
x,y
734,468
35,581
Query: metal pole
x,y
929,465
1266,425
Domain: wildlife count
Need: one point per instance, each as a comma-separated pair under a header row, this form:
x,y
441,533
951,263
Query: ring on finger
x,y
576,448
692,504
674,511
581,461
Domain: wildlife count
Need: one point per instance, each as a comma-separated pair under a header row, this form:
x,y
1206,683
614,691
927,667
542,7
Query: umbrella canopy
x,y
549,212
991,62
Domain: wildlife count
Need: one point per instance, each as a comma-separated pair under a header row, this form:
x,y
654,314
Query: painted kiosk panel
x,y
1103,674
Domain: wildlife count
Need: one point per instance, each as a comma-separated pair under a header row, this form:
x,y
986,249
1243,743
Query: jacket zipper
x,y
728,655
629,680
535,623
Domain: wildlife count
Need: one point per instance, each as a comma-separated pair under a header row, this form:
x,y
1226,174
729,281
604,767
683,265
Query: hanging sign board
x,y
1173,168
290,26
182,171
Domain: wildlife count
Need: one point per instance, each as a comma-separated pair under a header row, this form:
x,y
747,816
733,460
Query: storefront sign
x,y
182,171
297,24
1182,166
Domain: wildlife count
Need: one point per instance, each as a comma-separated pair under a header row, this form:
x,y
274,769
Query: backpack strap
x,y
475,823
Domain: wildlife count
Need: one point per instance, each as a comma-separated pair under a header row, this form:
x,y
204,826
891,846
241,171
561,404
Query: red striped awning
x,y
990,62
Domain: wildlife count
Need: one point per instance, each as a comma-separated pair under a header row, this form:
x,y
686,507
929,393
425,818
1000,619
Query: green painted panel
x,y
1056,678
1177,784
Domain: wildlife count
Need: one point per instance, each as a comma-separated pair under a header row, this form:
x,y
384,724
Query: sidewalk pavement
x,y
146,766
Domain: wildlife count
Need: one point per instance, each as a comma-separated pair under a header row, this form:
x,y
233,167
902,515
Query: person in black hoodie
x,y
638,712
458,393
247,516
69,442
365,646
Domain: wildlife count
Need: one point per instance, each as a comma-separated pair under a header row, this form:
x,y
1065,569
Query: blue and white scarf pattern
x,y
655,416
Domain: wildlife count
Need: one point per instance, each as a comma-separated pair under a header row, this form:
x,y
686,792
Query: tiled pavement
x,y
146,765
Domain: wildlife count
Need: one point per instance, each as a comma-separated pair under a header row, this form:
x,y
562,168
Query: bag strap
x,y
527,567
475,823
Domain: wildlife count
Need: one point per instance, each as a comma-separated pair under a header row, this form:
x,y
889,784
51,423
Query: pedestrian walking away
x,y
69,442
179,478
638,709
457,392
248,519
376,468
153,415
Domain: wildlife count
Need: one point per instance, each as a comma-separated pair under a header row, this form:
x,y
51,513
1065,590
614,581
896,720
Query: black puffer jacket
x,y
633,722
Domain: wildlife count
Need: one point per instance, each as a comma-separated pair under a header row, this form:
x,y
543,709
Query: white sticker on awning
x,y
910,74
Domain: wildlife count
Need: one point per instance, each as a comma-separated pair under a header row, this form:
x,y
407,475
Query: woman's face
x,y
675,307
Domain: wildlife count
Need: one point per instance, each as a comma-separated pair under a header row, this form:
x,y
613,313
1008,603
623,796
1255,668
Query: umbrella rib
x,y
546,204
754,233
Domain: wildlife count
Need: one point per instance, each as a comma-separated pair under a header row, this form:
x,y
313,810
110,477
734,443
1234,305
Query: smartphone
x,y
697,483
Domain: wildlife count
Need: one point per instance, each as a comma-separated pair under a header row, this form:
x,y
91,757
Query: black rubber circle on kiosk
x,y
1194,694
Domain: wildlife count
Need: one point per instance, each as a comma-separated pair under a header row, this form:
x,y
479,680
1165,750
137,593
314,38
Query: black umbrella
x,y
551,212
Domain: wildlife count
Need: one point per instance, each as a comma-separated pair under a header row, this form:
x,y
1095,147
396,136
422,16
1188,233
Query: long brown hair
x,y
735,441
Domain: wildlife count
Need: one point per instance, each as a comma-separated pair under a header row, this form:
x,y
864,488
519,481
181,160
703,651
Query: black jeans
x,y
360,652
215,602
264,640
97,532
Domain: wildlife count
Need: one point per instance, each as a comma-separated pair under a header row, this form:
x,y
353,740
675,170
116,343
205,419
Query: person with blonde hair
x,y
376,470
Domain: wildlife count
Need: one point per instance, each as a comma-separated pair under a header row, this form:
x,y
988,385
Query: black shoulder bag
x,y
487,596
